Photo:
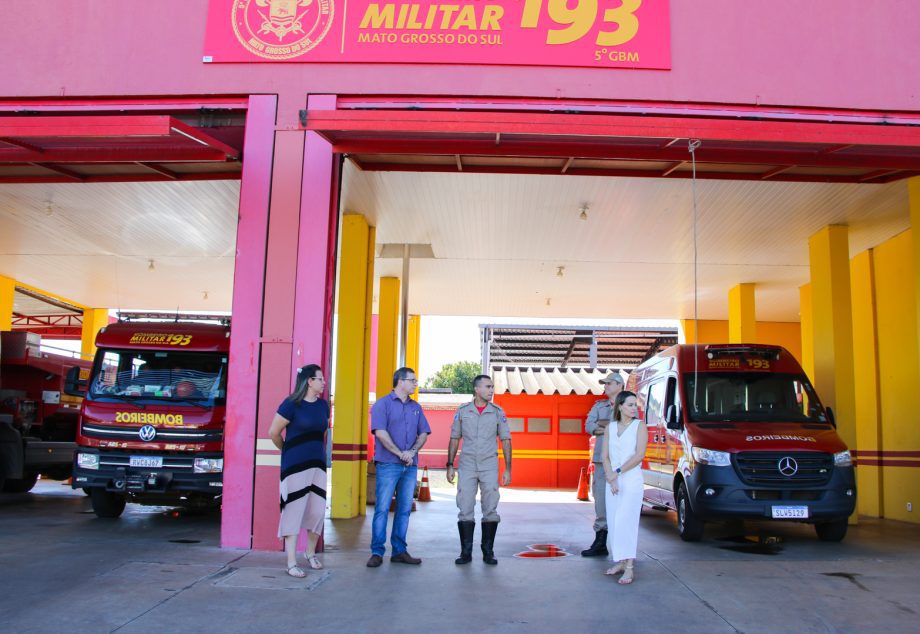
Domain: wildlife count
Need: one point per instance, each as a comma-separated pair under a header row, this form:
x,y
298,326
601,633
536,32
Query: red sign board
x,y
589,33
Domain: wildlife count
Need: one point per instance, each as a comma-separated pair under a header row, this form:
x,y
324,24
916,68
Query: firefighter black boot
x,y
599,547
466,542
488,542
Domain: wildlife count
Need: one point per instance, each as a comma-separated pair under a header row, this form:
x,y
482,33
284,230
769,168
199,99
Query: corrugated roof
x,y
542,380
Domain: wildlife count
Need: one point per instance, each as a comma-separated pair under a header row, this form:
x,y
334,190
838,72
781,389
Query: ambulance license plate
x,y
148,462
790,512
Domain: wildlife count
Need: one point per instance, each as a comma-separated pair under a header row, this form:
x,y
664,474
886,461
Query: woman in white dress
x,y
622,453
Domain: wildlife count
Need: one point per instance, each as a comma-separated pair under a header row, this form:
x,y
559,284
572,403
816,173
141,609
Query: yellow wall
x,y
785,334
387,333
899,372
742,323
7,293
865,363
807,329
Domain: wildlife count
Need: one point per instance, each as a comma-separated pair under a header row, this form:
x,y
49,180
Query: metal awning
x,y
541,380
581,139
90,148
566,347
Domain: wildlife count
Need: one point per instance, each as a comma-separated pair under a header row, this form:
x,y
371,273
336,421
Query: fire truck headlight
x,y
711,457
88,460
209,465
843,459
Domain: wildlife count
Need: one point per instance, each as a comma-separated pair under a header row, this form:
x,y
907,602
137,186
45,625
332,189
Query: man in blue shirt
x,y
401,429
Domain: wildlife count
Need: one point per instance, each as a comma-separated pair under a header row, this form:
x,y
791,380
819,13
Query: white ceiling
x,y
497,239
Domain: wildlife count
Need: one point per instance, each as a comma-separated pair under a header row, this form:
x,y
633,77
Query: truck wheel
x,y
20,485
107,504
689,524
833,531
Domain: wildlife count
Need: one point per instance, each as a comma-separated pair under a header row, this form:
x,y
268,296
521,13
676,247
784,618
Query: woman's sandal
x,y
296,571
313,562
627,577
615,570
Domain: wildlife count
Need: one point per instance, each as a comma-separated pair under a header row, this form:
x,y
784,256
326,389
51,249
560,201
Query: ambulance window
x,y
656,394
538,425
516,424
571,426
671,394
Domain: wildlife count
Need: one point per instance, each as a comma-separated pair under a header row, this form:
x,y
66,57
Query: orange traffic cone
x,y
583,485
424,491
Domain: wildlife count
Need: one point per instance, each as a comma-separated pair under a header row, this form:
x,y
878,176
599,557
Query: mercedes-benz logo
x,y
147,433
787,466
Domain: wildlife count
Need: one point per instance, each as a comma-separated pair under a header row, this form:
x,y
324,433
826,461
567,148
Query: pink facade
x,y
78,54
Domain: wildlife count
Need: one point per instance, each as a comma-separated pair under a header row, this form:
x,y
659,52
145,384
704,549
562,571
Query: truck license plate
x,y
790,512
148,462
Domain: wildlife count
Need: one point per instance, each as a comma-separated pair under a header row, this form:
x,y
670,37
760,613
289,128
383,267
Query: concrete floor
x,y
62,569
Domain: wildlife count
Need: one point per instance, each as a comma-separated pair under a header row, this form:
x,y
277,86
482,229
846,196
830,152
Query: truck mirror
x,y
672,417
830,417
73,384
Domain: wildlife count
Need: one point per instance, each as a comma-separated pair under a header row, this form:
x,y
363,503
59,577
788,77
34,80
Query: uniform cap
x,y
610,378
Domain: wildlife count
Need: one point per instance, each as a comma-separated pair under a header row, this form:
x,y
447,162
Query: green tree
x,y
457,376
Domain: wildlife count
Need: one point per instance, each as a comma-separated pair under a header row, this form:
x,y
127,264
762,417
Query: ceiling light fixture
x,y
549,300
560,271
584,212
151,266
204,294
49,209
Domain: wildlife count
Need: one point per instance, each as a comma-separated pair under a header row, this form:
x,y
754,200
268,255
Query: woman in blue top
x,y
304,419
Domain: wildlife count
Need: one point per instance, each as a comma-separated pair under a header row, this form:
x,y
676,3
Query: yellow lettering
x,y
412,22
491,14
447,10
375,18
466,19
401,19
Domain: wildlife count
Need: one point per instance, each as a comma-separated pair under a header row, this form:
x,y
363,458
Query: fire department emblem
x,y
281,29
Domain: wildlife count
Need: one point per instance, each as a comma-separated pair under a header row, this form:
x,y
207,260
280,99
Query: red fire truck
x,y
38,424
737,431
152,422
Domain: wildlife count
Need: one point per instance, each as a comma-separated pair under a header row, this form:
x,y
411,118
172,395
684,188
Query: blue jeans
x,y
401,479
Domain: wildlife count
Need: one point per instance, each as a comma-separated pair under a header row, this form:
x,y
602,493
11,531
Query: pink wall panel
x,y
240,432
823,53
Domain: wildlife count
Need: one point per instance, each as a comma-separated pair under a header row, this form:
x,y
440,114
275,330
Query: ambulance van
x,y
736,431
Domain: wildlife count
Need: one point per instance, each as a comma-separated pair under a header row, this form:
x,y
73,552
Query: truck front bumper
x,y
176,476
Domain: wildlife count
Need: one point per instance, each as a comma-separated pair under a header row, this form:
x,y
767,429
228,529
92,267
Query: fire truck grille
x,y
776,468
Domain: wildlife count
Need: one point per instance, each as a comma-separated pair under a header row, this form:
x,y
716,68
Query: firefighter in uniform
x,y
595,424
479,423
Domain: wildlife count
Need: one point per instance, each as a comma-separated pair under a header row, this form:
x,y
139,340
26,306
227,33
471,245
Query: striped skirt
x,y
303,502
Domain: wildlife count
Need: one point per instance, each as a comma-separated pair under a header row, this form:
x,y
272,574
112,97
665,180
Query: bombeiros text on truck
x,y
152,421
737,431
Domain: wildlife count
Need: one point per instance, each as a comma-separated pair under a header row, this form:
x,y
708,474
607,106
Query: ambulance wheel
x,y
833,531
689,524
20,485
105,504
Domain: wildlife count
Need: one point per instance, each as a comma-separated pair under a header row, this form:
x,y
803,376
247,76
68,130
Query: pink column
x,y
240,432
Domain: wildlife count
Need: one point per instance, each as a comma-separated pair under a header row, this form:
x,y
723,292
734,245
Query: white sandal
x,y
296,572
313,562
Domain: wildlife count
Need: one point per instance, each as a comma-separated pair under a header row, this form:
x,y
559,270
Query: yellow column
x,y
350,413
365,406
913,197
806,321
94,319
412,346
742,323
865,362
833,327
688,327
7,294
387,333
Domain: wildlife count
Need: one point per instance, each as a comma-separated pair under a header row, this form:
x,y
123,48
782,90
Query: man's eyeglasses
x,y
410,380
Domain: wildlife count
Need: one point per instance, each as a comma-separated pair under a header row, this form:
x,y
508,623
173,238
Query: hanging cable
x,y
692,146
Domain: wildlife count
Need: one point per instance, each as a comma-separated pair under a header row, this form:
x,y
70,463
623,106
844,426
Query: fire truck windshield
x,y
148,375
752,397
